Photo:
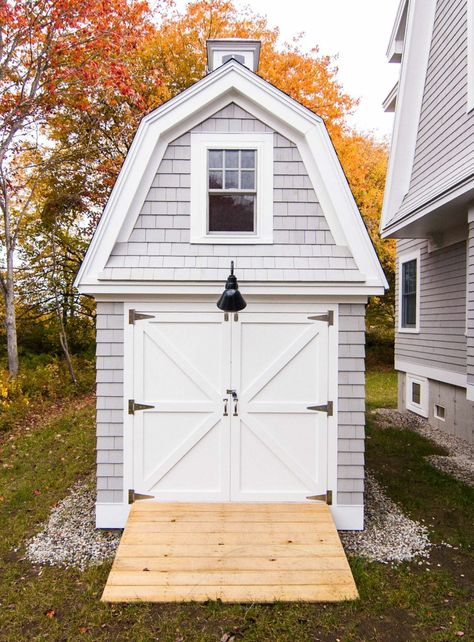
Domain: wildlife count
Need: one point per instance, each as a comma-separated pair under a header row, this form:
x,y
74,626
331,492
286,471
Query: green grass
x,y
381,389
409,602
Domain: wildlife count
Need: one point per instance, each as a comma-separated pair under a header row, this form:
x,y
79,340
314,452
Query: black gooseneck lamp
x,y
231,300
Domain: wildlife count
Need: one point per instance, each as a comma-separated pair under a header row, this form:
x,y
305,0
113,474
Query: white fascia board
x,y
182,287
420,22
390,102
436,374
397,37
232,82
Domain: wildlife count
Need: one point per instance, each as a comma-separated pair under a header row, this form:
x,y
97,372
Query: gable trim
x,y
420,22
232,83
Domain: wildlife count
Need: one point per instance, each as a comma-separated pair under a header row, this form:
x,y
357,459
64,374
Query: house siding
x,y
444,154
351,404
470,306
110,403
441,341
303,247
109,389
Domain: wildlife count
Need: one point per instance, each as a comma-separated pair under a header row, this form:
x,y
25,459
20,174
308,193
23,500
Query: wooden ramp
x,y
232,552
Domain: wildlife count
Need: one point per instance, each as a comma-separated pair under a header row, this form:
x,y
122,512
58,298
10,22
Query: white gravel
x,y
69,537
460,461
389,536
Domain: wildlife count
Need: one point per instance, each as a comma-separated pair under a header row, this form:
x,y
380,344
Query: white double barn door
x,y
202,443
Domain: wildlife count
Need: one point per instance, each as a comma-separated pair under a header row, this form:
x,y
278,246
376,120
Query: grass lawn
x,y
411,602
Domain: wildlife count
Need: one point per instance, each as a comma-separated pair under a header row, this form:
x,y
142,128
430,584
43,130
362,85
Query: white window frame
x,y
405,258
435,412
421,408
200,144
470,55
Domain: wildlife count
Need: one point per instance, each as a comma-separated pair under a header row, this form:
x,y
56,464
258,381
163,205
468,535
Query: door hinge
x,y
133,496
326,497
327,407
133,316
328,317
133,406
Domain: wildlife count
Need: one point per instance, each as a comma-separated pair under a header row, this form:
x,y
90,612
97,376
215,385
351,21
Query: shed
x,y
198,405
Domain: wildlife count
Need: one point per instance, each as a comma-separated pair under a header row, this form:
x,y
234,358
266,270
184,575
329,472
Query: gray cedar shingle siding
x,y
303,248
351,404
109,324
445,145
470,307
441,342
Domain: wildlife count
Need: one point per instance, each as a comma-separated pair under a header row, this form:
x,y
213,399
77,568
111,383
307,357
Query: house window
x,y
231,187
409,291
439,412
417,394
232,190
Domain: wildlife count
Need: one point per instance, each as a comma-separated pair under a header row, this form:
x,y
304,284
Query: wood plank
x,y
176,507
249,550
227,578
221,538
242,563
192,517
171,528
231,552
320,593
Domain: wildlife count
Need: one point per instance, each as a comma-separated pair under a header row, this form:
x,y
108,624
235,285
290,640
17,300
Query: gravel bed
x,y
389,536
460,461
69,537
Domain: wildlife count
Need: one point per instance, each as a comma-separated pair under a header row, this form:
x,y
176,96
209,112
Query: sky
x,y
358,32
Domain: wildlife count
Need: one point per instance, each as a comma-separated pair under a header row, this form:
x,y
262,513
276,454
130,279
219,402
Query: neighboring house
x,y
429,208
231,169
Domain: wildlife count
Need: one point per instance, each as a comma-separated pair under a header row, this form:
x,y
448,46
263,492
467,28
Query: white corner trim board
x,y
415,56
470,392
231,83
346,517
263,144
470,55
436,374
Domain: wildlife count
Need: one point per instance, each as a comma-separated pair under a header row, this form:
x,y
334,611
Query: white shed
x,y
264,405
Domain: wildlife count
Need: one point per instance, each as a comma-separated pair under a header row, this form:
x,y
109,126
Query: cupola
x,y
244,50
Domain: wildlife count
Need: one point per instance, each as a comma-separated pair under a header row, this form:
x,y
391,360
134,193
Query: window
x,y
417,394
409,292
231,187
232,190
439,412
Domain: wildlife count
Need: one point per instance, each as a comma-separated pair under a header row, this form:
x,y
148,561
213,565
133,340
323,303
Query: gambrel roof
x,y
232,83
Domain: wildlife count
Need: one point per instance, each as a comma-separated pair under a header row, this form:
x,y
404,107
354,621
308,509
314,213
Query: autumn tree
x,y
52,53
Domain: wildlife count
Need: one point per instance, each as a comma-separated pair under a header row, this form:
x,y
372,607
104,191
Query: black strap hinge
x,y
326,497
133,496
133,316
328,317
133,406
327,407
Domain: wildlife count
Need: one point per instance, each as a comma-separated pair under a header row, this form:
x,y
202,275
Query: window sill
x,y
409,330
230,240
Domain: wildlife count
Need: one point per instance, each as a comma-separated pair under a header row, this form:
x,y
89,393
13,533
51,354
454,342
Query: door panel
x,y
182,445
279,367
269,447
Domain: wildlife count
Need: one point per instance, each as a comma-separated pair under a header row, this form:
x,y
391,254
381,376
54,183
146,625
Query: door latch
x,y
235,399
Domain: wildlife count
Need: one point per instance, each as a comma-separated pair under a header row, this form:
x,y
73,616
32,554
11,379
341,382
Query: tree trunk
x,y
8,288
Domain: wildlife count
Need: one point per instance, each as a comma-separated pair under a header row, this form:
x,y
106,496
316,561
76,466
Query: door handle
x,y
226,401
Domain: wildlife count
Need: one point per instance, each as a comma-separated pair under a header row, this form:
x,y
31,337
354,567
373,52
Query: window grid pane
x,y
408,302
242,166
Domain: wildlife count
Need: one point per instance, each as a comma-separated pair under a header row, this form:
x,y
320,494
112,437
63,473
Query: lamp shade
x,y
231,300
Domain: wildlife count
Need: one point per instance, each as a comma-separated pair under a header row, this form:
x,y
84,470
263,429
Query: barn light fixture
x,y
231,300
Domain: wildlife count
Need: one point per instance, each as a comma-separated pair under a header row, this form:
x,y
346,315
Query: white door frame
x,y
264,305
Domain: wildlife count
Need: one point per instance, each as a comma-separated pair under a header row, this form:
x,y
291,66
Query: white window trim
x,y
200,144
435,413
470,55
422,407
404,258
